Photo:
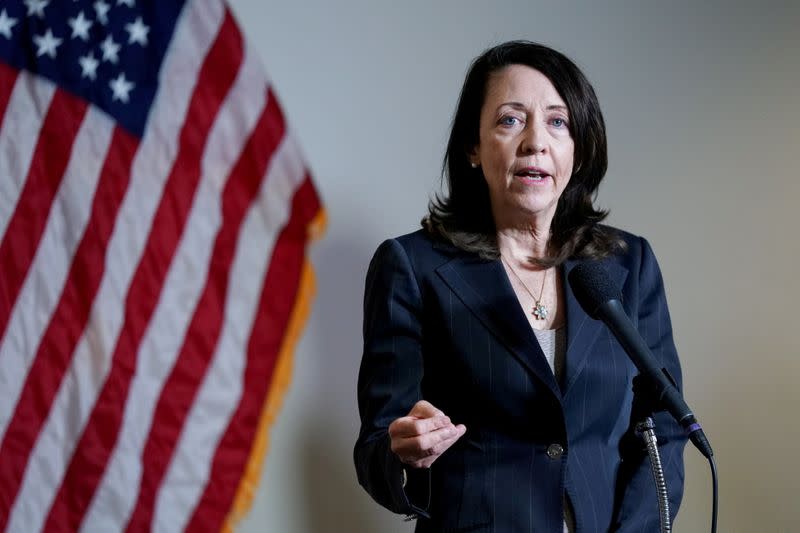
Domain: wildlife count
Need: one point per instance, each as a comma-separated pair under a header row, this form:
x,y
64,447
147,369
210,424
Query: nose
x,y
533,141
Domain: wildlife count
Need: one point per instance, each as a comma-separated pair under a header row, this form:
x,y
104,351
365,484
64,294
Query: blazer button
x,y
554,451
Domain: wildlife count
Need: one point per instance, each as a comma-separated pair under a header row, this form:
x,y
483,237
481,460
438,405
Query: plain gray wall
x,y
700,104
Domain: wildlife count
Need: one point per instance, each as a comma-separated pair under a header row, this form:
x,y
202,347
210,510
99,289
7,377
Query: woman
x,y
489,400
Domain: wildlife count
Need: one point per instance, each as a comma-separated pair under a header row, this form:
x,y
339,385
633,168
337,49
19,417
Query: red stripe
x,y
278,297
55,350
28,221
202,336
102,429
8,77
17,250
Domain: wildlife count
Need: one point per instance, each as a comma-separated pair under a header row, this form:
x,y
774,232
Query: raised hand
x,y
420,437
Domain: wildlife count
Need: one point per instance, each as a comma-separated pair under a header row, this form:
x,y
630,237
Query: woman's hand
x,y
419,438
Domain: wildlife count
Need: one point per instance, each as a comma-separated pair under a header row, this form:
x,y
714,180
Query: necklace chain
x,y
540,311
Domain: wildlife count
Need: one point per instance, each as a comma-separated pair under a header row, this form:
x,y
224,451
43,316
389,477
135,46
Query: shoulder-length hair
x,y
463,215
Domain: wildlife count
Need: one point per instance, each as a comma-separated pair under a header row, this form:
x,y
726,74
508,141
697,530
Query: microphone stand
x,y
645,405
646,429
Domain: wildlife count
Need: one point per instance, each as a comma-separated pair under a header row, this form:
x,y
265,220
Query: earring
x,y
474,165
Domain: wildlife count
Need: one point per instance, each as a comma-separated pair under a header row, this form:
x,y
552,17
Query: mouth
x,y
532,174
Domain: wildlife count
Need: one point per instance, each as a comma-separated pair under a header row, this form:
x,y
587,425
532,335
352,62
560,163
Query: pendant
x,y
540,311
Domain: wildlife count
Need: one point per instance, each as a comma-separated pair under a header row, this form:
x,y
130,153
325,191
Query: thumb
x,y
424,409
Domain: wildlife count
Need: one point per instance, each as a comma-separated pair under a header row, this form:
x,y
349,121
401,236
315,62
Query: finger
x,y
425,458
420,446
444,438
443,446
425,409
408,426
440,447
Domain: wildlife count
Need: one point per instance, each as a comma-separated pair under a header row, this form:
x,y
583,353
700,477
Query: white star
x,y
138,32
80,26
36,7
101,8
128,3
88,66
110,50
6,23
120,87
47,44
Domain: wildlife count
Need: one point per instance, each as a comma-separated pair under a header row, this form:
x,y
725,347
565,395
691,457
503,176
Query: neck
x,y
520,240
519,245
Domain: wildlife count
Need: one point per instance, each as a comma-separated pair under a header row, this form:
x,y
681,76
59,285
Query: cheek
x,y
563,186
567,160
494,164
492,153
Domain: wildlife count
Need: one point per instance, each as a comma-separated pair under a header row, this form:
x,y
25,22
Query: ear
x,y
473,157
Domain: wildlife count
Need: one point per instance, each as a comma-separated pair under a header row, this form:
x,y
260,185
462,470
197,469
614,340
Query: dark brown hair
x,y
463,215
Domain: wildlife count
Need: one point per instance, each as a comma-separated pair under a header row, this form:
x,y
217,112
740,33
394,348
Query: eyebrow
x,y
521,106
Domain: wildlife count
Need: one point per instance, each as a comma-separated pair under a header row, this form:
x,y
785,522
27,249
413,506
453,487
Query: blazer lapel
x,y
582,331
484,288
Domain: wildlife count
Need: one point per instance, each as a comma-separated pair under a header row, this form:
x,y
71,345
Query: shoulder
x,y
636,250
423,250
423,241
637,262
416,256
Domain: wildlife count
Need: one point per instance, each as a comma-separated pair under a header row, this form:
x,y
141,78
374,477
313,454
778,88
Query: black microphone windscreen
x,y
592,286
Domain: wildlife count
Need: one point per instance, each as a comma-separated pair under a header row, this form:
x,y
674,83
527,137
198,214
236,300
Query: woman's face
x,y
525,148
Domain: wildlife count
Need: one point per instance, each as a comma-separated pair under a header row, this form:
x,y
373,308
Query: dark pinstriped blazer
x,y
443,325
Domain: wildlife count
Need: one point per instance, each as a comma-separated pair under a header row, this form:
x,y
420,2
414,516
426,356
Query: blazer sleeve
x,y
389,380
636,503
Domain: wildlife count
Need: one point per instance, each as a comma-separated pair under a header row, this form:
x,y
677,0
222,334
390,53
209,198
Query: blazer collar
x,y
485,289
582,330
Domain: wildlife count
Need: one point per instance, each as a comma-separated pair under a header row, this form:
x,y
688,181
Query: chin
x,y
538,206
538,209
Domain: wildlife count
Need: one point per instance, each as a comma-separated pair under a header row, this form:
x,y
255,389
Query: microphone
x,y
602,300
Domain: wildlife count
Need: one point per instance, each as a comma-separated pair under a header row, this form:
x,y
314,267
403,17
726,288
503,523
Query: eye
x,y
559,123
509,120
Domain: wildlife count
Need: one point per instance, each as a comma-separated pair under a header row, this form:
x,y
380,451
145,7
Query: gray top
x,y
554,346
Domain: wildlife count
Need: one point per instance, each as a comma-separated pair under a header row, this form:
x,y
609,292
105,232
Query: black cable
x,y
715,494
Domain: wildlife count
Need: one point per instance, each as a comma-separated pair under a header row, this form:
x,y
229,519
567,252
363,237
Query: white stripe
x,y
42,287
43,290
194,34
21,124
185,281
221,390
165,336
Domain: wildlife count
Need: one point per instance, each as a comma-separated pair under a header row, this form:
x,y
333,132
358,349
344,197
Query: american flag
x,y
154,217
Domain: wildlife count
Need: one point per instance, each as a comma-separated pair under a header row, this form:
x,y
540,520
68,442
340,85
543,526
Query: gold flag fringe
x,y
245,493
